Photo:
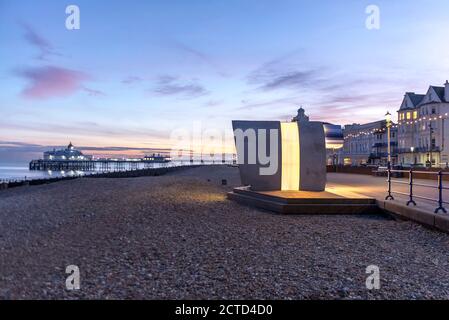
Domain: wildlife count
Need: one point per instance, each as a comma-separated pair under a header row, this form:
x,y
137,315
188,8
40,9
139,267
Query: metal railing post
x,y
440,193
410,178
389,196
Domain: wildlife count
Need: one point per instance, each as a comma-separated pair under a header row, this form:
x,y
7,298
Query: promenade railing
x,y
411,194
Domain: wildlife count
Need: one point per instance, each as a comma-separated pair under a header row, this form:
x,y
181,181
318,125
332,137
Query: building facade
x,y
69,153
423,128
367,144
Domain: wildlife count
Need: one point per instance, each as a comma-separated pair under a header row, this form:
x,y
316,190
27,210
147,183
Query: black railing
x,y
411,183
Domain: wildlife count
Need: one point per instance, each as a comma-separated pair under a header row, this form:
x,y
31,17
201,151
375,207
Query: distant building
x,y
367,144
423,128
69,153
334,142
301,116
157,158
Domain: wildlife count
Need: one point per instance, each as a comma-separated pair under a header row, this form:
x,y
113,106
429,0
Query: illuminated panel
x,y
290,156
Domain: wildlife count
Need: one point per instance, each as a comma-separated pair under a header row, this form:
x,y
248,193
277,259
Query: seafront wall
x,y
117,174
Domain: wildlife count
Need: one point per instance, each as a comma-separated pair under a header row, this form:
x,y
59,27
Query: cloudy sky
x,y
137,70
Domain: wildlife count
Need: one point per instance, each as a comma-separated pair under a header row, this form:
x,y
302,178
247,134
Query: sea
x,y
21,172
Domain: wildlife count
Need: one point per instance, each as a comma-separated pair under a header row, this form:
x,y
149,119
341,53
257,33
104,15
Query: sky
x,y
136,71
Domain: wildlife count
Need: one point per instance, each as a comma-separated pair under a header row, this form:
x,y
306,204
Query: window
x,y
415,114
433,110
408,116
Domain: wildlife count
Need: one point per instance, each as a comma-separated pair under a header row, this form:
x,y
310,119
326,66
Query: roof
x,y
415,98
439,91
64,152
365,126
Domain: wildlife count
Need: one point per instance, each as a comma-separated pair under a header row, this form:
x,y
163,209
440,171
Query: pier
x,y
71,159
91,165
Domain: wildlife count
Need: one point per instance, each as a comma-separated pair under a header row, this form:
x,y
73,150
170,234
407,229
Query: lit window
x,y
415,114
408,115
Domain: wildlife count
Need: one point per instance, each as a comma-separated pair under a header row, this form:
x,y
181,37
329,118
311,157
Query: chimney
x,y
446,91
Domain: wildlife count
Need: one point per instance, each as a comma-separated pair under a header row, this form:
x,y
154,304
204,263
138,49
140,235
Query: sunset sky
x,y
137,70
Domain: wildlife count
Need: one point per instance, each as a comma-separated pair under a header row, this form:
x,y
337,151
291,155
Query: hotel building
x,y
423,128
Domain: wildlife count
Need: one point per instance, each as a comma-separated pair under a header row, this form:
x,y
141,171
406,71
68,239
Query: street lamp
x,y
430,143
388,119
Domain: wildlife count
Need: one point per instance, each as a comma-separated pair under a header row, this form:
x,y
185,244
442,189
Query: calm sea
x,y
21,172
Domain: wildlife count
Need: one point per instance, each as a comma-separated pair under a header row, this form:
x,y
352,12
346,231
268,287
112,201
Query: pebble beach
x,y
176,236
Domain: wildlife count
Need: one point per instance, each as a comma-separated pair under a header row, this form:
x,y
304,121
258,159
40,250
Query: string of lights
x,y
400,123
367,132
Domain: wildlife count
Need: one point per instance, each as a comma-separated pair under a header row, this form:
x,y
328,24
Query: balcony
x,y
384,144
419,150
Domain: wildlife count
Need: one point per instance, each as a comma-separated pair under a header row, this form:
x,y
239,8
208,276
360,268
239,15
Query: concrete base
x,y
305,202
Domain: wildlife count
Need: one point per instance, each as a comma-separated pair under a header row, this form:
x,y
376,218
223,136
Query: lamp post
x,y
388,119
430,143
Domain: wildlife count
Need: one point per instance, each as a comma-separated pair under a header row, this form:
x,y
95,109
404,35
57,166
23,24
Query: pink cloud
x,y
50,81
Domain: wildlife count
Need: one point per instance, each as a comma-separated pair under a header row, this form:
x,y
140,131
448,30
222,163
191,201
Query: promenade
x,y
376,187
